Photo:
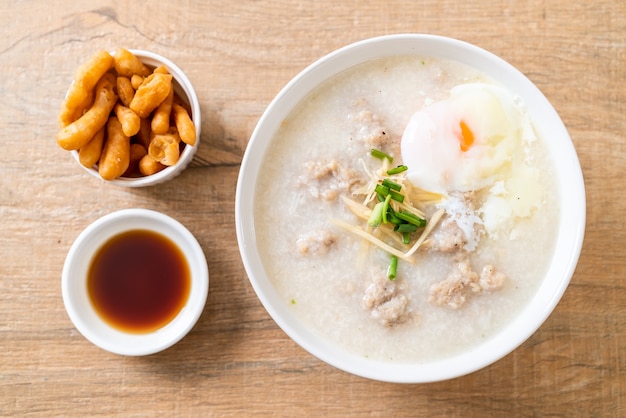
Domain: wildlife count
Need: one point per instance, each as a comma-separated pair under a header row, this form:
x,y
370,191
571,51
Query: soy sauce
x,y
138,281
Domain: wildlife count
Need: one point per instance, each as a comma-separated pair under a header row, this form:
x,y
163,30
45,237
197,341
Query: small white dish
x,y
74,283
186,92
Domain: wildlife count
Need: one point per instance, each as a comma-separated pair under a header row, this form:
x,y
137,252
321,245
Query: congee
x,y
405,210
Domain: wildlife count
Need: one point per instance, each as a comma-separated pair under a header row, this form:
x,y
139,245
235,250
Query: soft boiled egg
x,y
476,139
461,143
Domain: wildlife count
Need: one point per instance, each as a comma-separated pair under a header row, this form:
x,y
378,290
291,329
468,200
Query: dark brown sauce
x,y
138,281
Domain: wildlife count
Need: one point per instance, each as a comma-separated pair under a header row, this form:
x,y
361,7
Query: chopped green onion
x,y
386,208
393,267
399,169
376,216
393,219
402,228
398,197
380,155
412,219
392,185
385,190
391,215
406,237
382,190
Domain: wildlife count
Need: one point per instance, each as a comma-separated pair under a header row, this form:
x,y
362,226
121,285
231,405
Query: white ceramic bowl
x,y
74,283
186,92
569,183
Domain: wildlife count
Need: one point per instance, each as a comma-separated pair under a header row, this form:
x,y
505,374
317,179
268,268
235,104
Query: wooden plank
x,y
236,361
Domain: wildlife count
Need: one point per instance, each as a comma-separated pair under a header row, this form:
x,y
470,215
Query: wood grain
x,y
236,361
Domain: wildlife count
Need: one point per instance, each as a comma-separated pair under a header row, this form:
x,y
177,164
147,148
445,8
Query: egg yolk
x,y
466,139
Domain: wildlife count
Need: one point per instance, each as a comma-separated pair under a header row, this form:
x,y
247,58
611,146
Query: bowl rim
x,y
182,84
571,225
74,279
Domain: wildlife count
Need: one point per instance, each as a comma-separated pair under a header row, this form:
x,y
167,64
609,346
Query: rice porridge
x,y
405,209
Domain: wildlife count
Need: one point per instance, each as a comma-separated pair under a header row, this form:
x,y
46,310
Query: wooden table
x,y
236,361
